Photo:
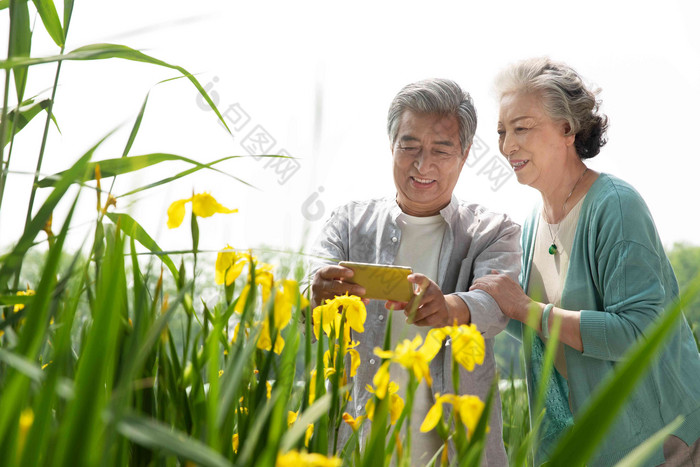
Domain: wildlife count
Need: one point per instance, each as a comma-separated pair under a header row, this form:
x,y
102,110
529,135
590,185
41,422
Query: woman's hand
x,y
511,299
435,309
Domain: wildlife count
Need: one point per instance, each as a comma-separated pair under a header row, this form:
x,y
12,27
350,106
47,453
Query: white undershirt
x,y
421,241
548,273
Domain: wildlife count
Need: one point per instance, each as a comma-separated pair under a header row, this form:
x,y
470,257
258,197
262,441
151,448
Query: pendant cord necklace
x,y
553,247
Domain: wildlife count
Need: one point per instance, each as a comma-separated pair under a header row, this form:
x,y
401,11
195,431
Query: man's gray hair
x,y
434,96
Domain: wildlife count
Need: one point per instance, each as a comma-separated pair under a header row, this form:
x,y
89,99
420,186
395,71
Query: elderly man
x,y
447,243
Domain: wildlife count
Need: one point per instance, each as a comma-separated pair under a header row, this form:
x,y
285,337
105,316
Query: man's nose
x,y
421,161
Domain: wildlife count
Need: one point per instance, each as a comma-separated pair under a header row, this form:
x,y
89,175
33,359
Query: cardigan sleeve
x,y
631,272
634,297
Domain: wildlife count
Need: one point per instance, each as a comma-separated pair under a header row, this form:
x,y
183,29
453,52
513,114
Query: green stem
x,y
5,165
49,113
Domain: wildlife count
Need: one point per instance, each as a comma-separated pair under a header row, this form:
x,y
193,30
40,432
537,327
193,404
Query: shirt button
x,y
371,361
394,239
380,317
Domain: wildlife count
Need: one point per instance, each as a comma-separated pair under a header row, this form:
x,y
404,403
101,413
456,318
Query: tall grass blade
x,y
18,118
13,261
183,174
49,16
33,333
20,42
83,426
105,51
135,128
158,436
123,165
642,452
138,233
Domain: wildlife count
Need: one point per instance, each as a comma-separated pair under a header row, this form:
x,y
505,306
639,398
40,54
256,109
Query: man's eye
x,y
408,148
520,129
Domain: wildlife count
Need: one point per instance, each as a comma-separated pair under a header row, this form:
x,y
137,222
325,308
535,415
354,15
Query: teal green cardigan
x,y
621,280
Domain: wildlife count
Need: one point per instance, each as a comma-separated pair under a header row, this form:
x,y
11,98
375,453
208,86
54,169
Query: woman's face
x,y
535,145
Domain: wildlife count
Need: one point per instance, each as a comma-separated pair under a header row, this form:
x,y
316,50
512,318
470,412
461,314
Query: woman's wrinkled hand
x,y
508,294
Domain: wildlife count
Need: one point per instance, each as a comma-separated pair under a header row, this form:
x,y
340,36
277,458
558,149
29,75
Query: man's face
x,y
427,162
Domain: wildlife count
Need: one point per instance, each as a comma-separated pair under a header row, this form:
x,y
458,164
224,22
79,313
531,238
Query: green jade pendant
x,y
553,249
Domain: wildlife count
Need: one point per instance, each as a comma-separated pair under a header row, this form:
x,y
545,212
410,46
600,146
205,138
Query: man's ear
x,y
466,154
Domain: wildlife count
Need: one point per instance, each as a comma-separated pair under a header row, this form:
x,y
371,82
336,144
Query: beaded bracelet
x,y
545,320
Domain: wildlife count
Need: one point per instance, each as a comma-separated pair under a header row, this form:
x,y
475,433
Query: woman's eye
x,y
520,129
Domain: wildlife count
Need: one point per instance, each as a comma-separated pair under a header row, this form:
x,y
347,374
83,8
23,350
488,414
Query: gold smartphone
x,y
381,281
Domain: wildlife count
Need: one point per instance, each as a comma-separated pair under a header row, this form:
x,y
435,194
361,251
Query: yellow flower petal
x,y
229,264
176,213
396,405
433,417
204,205
234,442
354,361
381,380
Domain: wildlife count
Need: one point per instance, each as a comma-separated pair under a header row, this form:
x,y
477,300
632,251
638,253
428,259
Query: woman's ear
x,y
570,137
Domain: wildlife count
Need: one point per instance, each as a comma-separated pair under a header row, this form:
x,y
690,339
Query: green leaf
x,y
319,408
642,452
4,4
122,165
49,16
156,435
579,443
20,41
18,118
105,51
183,174
135,128
138,233
12,261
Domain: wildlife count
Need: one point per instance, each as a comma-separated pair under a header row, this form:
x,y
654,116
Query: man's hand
x,y
329,282
434,309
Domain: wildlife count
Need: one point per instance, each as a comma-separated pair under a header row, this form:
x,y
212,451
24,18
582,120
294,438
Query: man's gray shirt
x,y
476,241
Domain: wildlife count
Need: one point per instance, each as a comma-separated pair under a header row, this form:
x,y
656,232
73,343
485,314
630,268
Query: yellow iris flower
x,y
408,355
203,205
468,347
396,403
355,315
355,423
467,409
229,265
299,459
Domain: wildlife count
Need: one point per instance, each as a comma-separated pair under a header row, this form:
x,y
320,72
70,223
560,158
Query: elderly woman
x,y
592,258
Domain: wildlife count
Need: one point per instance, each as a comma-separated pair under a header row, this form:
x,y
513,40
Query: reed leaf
x,y
20,42
135,231
19,117
642,452
106,51
123,165
158,436
49,16
12,261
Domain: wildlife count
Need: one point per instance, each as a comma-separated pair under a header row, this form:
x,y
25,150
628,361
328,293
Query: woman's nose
x,y
508,145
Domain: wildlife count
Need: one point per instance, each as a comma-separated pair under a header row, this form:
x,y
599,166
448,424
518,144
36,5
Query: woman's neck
x,y
560,196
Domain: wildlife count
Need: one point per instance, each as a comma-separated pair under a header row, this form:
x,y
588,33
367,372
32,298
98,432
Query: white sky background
x,y
300,68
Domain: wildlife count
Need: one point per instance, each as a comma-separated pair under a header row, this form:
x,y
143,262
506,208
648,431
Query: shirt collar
x,y
447,212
